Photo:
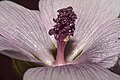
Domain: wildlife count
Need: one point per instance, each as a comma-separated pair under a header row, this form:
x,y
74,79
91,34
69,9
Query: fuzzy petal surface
x,y
103,47
23,31
70,72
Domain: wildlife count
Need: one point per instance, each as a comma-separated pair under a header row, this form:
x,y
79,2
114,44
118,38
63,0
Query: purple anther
x,y
65,24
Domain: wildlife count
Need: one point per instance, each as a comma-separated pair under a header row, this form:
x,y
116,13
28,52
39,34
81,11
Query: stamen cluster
x,y
65,24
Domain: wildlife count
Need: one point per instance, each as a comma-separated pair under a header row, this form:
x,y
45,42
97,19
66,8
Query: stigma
x,y
62,30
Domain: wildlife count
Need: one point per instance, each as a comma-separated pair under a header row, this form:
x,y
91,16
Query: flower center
x,y
63,29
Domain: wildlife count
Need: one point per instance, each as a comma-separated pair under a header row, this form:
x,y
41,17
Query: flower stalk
x,y
60,59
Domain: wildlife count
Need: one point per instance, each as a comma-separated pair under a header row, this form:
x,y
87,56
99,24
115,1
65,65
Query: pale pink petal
x,y
9,48
70,72
119,60
46,14
23,30
103,47
90,13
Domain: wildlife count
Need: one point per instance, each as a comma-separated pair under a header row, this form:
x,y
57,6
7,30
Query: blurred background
x,y
7,71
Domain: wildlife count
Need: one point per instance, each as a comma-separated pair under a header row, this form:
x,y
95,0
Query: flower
x,y
93,49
